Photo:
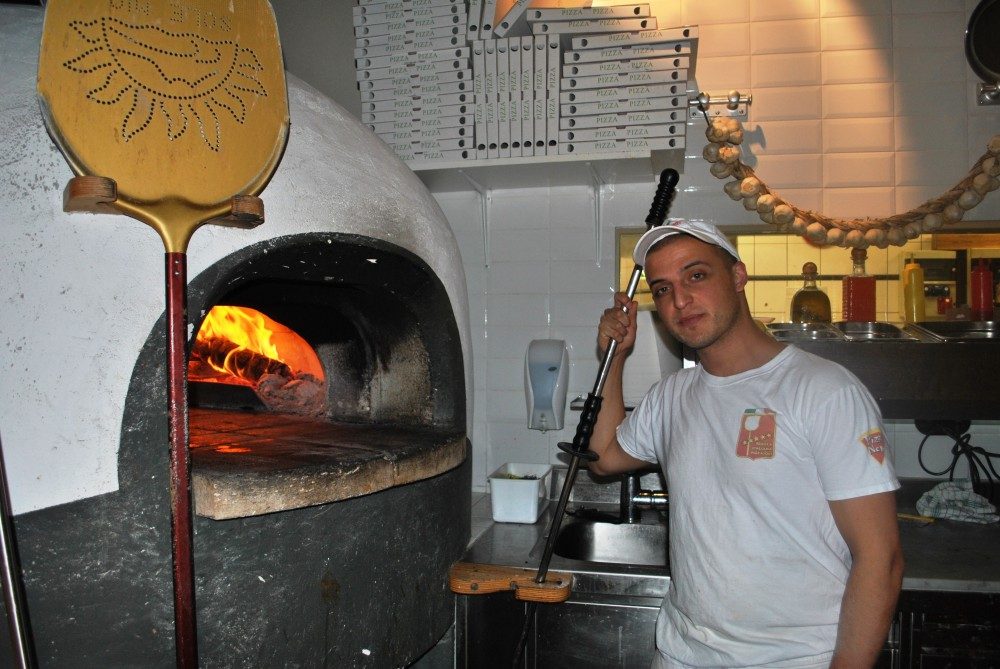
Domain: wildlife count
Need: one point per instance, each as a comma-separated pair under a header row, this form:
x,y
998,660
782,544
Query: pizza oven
x,y
329,370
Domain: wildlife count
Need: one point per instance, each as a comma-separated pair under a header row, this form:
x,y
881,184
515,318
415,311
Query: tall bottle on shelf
x,y
859,290
810,304
912,284
981,298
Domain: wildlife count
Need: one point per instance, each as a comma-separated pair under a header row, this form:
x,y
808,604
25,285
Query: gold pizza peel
x,y
175,114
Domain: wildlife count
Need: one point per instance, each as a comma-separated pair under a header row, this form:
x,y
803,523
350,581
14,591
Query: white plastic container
x,y
519,500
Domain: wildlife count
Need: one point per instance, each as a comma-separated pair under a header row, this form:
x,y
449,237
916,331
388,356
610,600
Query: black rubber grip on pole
x,y
661,201
580,445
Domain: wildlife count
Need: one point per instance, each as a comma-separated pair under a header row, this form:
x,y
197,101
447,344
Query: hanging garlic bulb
x,y
750,187
729,154
716,132
732,189
750,203
834,236
932,222
953,213
896,236
783,214
856,239
721,170
993,146
981,182
969,199
912,230
710,152
765,203
799,226
876,237
991,166
816,232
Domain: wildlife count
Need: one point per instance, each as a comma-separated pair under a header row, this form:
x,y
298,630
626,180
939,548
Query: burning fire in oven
x,y
244,347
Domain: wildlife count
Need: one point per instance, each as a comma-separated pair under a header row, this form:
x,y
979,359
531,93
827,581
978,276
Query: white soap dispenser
x,y
546,373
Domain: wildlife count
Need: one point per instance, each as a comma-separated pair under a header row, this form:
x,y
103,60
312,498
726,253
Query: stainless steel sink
x,y
962,330
617,543
871,331
803,331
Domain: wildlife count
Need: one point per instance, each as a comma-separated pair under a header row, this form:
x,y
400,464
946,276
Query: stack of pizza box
x,y
445,80
414,76
516,88
626,91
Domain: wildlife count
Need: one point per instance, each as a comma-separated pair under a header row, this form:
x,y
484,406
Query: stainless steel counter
x,y
940,556
944,374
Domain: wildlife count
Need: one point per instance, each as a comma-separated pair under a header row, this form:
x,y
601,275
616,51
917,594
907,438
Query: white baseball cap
x,y
706,232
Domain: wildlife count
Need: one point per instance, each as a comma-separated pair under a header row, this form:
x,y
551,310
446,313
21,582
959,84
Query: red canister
x,y
981,286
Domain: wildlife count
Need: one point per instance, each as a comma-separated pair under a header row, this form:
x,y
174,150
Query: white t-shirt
x,y
758,567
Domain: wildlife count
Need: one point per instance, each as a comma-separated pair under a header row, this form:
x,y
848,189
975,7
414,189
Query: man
x,y
784,547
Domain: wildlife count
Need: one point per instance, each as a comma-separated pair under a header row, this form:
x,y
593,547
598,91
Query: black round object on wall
x,y
982,41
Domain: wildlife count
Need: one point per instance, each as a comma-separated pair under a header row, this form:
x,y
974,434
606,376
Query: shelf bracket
x,y
708,106
598,185
485,203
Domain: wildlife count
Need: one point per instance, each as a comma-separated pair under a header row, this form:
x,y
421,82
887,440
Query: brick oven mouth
x,y
385,408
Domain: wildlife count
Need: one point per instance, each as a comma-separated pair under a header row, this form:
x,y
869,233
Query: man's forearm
x,y
866,612
611,415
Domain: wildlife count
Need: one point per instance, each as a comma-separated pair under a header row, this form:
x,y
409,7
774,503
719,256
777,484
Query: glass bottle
x,y
982,292
810,304
912,284
859,290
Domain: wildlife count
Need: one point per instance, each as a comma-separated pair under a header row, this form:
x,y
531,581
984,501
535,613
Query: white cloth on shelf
x,y
955,500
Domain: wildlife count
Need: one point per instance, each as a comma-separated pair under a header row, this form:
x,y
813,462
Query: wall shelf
x,y
546,171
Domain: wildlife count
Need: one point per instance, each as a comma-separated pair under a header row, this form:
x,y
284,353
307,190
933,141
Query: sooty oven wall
x,y
356,583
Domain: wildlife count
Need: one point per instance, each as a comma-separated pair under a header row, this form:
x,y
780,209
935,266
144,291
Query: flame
x,y
247,328
238,345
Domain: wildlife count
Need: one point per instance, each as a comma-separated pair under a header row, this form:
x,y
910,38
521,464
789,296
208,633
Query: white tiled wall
x,y
861,108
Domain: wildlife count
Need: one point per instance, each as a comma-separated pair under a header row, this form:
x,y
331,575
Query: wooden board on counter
x,y
469,578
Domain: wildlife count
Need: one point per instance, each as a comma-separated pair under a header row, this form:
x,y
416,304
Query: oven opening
x,y
244,347
321,371
339,352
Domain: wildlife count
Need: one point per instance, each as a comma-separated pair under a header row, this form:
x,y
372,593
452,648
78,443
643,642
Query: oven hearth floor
x,y
248,464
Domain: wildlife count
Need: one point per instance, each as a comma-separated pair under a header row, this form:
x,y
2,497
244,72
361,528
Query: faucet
x,y
634,498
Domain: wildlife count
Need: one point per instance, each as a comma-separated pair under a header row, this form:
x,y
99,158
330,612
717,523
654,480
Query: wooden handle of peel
x,y
96,195
468,578
90,194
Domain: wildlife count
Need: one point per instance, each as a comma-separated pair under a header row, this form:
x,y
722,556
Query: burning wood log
x,y
217,358
281,389
304,395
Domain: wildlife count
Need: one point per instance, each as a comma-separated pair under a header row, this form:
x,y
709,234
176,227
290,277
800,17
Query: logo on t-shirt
x,y
874,441
757,429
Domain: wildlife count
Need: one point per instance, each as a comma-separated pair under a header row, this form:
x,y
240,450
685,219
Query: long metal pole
x,y
13,589
181,533
580,446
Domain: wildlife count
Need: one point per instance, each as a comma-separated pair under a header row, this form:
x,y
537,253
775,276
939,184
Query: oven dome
x,y
82,292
